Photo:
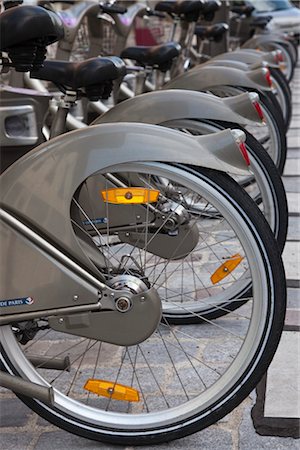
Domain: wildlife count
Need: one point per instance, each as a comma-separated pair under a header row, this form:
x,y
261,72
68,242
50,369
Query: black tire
x,y
244,371
286,94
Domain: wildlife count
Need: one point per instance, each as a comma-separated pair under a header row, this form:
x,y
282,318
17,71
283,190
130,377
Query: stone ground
x,y
22,429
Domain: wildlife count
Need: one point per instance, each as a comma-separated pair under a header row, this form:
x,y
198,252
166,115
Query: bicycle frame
x,y
73,18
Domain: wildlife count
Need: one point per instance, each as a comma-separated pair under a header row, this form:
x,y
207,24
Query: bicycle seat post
x,y
64,105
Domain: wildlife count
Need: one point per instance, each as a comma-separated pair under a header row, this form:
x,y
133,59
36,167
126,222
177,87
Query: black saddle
x,y
188,10
158,55
261,21
243,10
209,9
95,75
25,33
212,32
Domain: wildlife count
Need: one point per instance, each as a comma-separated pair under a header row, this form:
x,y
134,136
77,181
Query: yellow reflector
x,y
226,268
130,195
112,390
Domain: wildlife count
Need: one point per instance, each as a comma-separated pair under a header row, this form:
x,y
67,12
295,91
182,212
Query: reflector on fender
x,y
112,390
226,268
130,195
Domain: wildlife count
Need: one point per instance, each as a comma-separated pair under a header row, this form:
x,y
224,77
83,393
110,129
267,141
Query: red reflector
x,y
279,56
259,110
268,77
244,153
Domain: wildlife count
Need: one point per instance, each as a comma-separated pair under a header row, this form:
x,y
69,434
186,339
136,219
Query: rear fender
x,y
204,77
157,107
38,189
253,58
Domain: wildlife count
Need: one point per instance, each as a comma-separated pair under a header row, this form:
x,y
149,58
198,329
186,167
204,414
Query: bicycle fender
x,y
206,76
261,39
249,58
38,189
157,107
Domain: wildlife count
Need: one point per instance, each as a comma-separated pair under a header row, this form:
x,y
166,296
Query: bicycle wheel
x,y
265,185
184,377
270,134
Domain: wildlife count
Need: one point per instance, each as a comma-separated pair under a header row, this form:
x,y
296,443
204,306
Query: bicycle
x,y
88,285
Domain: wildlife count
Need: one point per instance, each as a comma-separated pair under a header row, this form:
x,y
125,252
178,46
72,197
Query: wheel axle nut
x,y
123,304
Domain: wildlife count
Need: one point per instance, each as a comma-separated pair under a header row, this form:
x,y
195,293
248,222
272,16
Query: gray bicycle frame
x,y
73,18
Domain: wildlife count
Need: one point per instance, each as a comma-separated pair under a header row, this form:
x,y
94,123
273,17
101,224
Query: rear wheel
x,y
186,376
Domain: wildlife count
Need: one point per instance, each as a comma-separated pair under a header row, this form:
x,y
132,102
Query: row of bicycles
x,y
143,215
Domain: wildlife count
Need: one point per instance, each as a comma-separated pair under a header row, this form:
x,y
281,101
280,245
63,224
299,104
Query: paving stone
x,y
293,229
293,298
293,202
293,131
208,439
13,413
293,153
291,184
282,389
291,259
15,441
292,167
55,440
250,440
293,141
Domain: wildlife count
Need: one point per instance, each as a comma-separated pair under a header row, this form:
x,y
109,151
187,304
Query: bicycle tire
x,y
241,370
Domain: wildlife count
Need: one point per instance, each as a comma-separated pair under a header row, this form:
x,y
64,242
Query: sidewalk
x,y
22,429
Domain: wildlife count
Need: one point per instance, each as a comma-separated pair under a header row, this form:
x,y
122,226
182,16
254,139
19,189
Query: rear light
x,y
279,56
267,75
254,97
244,152
240,138
259,111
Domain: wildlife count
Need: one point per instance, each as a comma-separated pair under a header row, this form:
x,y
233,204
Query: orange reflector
x,y
112,390
226,268
130,195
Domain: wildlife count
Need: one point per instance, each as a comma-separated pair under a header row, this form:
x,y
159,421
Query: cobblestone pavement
x,y
22,429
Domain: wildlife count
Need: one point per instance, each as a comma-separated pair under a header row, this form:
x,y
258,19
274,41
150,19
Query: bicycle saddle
x,y
95,74
261,21
25,33
209,9
190,9
158,55
213,32
246,10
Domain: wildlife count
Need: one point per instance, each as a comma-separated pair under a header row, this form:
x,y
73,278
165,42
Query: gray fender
x,y
260,39
243,56
157,107
39,188
207,76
